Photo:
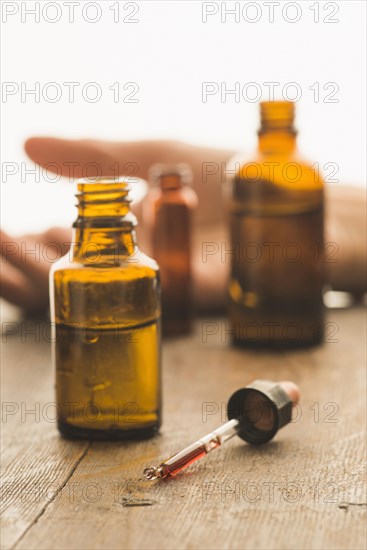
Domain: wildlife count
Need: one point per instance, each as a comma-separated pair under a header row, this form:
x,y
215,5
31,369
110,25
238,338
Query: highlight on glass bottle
x,y
105,307
277,213
167,211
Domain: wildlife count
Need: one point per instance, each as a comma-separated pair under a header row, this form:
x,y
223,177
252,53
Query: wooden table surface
x,y
304,490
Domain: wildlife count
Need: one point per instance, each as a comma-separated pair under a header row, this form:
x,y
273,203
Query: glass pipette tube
x,y
193,452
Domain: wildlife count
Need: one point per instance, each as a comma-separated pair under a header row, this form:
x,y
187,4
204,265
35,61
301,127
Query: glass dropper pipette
x,y
255,414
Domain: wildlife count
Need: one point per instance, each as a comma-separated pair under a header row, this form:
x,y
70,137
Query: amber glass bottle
x,y
275,288
168,215
105,306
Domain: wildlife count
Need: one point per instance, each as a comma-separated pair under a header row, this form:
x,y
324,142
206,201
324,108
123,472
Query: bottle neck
x,y
104,231
93,245
277,141
277,133
170,182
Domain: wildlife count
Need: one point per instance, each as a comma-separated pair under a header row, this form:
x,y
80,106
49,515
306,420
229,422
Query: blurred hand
x,y
26,283
24,277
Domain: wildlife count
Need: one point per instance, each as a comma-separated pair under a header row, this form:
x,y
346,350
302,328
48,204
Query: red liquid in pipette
x,y
187,456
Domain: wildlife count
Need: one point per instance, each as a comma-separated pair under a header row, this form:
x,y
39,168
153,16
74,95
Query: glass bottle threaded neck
x,y
104,231
277,116
104,199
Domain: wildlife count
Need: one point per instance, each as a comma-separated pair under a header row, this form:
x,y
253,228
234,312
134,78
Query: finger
x,y
90,158
27,254
20,290
68,158
57,240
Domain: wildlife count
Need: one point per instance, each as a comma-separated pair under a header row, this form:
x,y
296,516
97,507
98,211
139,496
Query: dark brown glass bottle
x,y
277,212
167,213
105,306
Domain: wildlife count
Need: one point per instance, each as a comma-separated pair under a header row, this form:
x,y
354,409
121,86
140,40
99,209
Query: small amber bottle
x,y
105,306
168,216
277,212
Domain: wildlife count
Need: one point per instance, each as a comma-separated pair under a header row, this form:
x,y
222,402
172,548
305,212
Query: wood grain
x,y
304,490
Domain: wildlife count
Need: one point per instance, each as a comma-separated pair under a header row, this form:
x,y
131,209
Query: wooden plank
x,y
305,490
35,462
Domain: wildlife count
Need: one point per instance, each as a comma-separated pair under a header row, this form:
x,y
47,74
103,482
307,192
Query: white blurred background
x,y
169,49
